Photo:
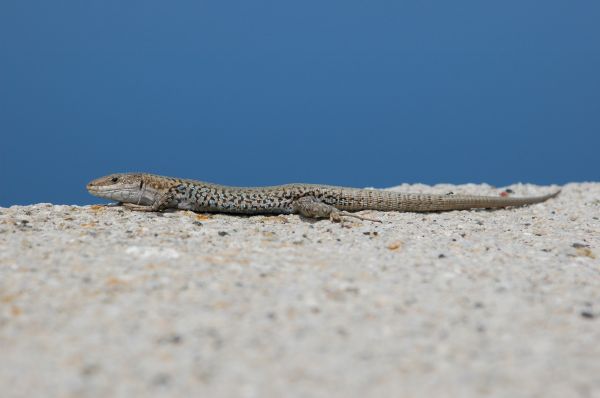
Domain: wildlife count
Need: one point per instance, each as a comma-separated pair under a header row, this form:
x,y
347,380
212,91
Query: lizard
x,y
149,192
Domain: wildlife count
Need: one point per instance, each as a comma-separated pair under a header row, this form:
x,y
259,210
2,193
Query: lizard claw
x,y
338,217
135,207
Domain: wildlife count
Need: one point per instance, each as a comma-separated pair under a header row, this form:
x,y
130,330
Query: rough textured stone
x,y
100,301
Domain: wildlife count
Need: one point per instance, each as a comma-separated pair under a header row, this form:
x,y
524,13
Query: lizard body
x,y
148,192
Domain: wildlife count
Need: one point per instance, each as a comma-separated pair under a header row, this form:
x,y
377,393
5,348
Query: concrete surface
x,y
100,301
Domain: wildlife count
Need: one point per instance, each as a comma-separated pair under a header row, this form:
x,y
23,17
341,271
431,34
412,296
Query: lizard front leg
x,y
309,206
159,204
134,207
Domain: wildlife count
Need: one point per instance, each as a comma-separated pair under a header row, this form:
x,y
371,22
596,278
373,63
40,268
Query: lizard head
x,y
123,187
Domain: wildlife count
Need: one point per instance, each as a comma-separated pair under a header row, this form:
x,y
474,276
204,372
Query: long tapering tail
x,y
396,201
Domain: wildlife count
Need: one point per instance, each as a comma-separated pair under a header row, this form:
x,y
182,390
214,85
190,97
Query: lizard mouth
x,y
111,193
91,188
94,189
130,194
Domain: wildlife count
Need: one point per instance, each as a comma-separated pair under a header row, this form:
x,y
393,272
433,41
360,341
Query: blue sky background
x,y
358,93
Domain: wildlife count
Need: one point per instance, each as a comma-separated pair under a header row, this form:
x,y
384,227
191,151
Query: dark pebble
x,y
170,339
90,369
579,245
587,314
161,379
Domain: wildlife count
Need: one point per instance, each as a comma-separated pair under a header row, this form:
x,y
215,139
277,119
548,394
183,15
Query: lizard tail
x,y
396,201
465,202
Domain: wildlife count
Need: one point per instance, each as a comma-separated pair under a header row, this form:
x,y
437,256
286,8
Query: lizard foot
x,y
135,207
351,215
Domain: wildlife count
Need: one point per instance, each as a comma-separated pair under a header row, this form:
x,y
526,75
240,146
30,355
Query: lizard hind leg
x,y
311,207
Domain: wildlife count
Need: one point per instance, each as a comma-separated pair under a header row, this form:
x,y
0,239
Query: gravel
x,y
100,301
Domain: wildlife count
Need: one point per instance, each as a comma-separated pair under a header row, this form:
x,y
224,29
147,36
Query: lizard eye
x,y
115,179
